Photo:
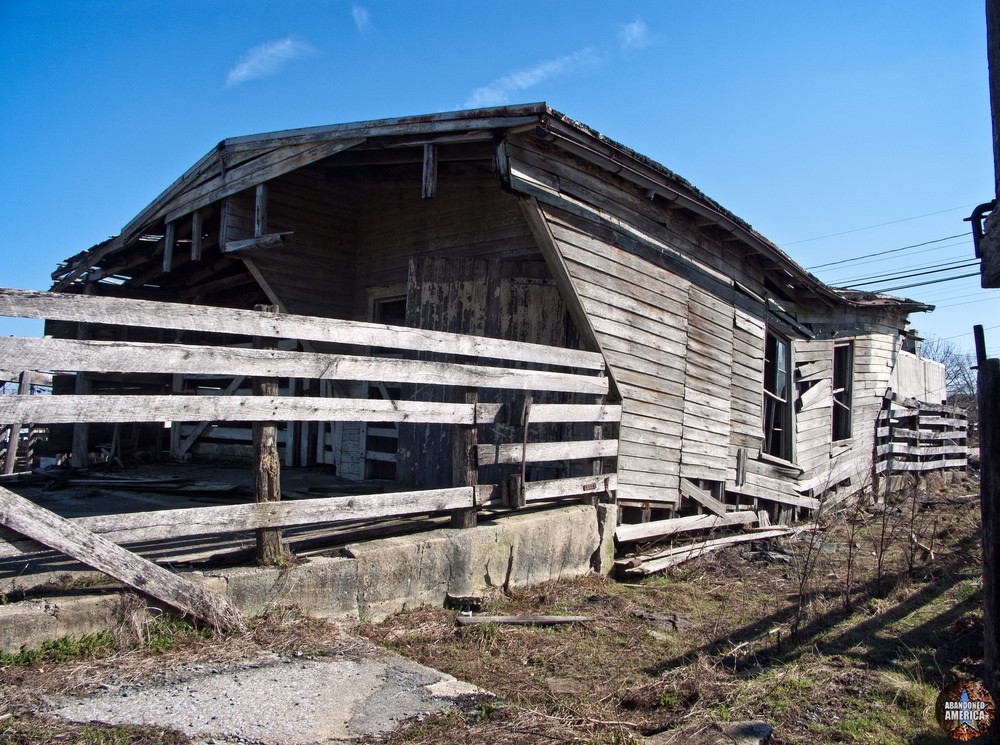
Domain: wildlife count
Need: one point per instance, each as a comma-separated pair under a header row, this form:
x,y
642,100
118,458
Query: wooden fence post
x,y
988,394
465,461
271,549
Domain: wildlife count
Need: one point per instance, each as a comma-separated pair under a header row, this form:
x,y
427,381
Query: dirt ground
x,y
737,635
845,635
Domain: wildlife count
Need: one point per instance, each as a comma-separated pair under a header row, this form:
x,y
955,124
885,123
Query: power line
x,y
879,258
890,251
930,269
967,302
957,336
879,225
929,282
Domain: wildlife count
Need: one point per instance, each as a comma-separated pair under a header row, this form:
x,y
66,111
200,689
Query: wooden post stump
x,y
271,548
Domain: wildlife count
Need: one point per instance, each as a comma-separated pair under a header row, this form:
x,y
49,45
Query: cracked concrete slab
x,y
281,700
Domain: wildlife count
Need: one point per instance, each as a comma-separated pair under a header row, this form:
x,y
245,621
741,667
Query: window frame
x,y
777,418
842,381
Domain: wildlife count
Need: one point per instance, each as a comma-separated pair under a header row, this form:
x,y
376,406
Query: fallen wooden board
x,y
666,559
663,528
47,528
522,620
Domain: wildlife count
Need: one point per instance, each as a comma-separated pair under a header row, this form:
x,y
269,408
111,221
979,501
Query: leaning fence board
x,y
39,524
179,523
154,314
535,452
184,359
96,408
664,528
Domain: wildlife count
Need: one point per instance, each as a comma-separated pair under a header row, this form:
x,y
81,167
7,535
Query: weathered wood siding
x,y
314,271
469,217
651,288
708,389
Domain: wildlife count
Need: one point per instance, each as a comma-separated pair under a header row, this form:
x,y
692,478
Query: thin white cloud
x,y
634,35
500,90
267,59
362,18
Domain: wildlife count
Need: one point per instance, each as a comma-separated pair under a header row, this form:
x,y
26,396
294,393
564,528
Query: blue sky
x,y
815,122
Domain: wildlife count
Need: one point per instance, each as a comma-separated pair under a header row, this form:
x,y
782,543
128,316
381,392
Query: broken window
x,y
777,391
843,389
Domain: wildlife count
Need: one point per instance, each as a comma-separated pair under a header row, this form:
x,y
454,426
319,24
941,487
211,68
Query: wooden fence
x,y
912,436
515,373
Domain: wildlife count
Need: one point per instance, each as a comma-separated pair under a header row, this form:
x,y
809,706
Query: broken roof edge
x,y
498,117
869,299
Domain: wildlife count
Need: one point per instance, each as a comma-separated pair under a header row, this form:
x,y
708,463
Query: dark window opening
x,y
777,404
843,389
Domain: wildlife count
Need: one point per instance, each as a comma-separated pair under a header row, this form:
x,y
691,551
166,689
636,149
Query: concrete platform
x,y
369,580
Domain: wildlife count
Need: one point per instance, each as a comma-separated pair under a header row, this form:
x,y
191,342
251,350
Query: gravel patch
x,y
278,700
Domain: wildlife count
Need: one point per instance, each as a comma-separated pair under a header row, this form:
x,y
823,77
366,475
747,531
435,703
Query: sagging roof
x,y
239,163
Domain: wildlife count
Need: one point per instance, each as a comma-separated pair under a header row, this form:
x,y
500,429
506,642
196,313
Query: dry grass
x,y
756,640
765,641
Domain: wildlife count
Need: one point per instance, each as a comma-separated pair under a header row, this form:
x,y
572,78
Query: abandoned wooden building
x,y
744,383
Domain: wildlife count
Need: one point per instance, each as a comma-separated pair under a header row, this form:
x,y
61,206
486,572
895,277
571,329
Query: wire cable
x,y
890,251
929,269
879,225
929,282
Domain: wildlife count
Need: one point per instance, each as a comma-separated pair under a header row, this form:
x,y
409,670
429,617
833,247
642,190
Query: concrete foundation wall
x,y
371,580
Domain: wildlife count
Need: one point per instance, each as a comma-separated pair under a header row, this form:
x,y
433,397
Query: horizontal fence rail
x,y
912,436
178,316
569,428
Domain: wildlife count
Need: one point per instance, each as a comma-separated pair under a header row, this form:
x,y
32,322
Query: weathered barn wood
x,y
742,384
49,529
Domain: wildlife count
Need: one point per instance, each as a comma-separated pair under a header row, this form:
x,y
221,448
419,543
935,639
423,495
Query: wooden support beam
x,y
196,243
428,184
260,211
702,497
169,240
53,531
268,242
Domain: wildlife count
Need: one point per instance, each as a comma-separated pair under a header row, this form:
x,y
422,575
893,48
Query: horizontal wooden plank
x,y
535,452
186,359
554,413
163,524
151,314
664,528
751,490
581,485
96,408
